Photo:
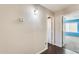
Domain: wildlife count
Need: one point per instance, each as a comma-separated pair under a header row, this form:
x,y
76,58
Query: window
x,y
71,27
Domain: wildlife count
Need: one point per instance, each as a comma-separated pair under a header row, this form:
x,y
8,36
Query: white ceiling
x,y
56,7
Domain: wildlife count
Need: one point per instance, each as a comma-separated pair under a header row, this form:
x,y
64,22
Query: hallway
x,y
37,29
27,29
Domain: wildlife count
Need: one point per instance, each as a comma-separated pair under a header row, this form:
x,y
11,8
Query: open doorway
x,y
71,32
50,30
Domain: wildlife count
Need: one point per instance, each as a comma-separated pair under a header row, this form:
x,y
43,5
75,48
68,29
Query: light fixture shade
x,y
49,17
35,12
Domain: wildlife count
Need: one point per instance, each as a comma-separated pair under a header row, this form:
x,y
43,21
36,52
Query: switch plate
x,y
21,19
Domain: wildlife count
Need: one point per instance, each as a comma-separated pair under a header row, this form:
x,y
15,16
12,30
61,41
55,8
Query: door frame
x,y
52,31
62,30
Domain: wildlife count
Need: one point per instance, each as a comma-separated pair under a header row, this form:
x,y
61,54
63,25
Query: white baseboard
x,y
67,51
42,50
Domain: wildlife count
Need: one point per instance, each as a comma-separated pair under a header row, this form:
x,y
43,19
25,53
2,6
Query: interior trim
x,y
42,50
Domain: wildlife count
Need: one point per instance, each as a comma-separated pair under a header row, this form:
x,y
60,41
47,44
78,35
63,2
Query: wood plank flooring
x,y
52,49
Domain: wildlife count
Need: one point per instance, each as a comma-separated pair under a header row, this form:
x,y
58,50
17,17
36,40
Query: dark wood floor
x,y
52,49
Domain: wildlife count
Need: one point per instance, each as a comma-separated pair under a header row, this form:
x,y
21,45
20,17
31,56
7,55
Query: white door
x,y
50,30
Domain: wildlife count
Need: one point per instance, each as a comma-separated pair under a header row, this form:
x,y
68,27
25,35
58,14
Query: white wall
x,y
23,37
58,23
58,30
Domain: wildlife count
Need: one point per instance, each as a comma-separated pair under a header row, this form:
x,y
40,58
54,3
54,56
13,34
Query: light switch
x,y
21,19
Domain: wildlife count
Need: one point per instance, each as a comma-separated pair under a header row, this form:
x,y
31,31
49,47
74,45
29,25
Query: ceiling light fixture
x,y
35,12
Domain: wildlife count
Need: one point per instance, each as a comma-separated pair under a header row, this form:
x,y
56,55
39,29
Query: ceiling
x,y
56,7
